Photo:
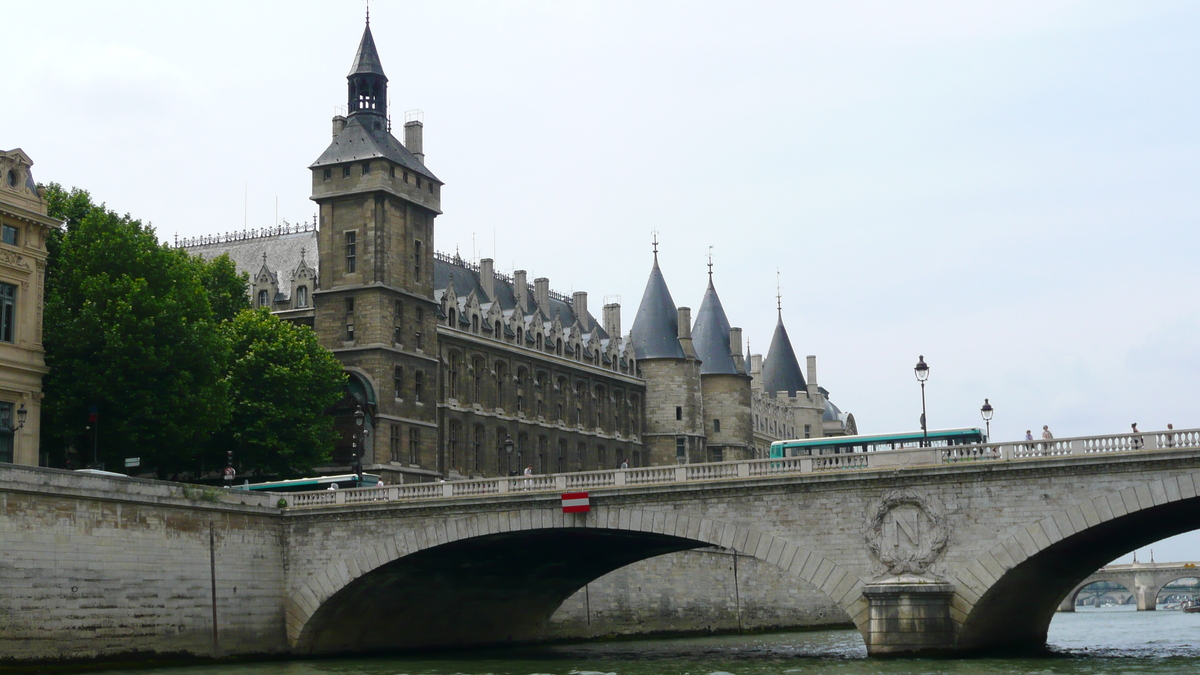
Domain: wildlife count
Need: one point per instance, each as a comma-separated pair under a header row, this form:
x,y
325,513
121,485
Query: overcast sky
x,y
1009,190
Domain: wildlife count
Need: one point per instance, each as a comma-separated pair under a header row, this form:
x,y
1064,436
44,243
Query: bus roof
x,y
313,482
874,438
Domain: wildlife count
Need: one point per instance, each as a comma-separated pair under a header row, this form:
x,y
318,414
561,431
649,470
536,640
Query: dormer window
x,y
263,298
11,178
302,296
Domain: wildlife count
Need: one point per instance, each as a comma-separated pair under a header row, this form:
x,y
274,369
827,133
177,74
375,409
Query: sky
x,y
1007,189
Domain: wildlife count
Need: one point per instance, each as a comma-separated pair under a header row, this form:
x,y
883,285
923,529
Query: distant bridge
x,y
1144,580
926,550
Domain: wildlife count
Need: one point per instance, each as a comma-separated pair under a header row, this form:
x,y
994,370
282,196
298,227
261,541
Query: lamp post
x,y
922,372
986,411
508,448
21,414
355,454
229,472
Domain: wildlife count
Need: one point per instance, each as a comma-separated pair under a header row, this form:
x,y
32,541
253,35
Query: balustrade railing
x,y
1064,448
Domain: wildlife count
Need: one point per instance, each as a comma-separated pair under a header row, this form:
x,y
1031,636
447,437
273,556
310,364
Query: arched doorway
x,y
354,440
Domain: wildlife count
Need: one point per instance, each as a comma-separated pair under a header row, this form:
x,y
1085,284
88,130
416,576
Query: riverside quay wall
x,y
97,567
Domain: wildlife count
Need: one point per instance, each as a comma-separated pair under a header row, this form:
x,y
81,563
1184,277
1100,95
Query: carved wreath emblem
x,y
906,533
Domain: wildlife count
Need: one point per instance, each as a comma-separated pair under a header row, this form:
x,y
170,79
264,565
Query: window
x,y
405,176
562,456
9,234
397,316
6,435
418,385
450,319
414,444
416,260
808,431
263,298
418,182
601,458
500,384
455,432
302,296
477,455
351,250
346,171
398,380
452,384
431,188
366,168
580,456
717,455
350,319
678,412
393,171
328,174
394,442
717,426
680,449
475,323
349,332
477,381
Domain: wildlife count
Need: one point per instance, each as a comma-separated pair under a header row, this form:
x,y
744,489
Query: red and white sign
x,y
576,502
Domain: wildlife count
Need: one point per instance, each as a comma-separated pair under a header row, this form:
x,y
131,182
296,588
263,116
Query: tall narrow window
x,y
562,456
680,449
8,312
418,385
264,297
351,250
416,260
6,434
477,454
717,426
302,296
452,384
397,316
395,443
398,380
350,319
678,412
420,320
414,445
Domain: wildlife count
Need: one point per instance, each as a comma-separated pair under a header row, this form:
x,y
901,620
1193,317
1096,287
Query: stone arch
x,y
668,530
1122,580
1006,597
1168,579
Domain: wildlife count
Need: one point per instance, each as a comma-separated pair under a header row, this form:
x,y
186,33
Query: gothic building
x,y
462,371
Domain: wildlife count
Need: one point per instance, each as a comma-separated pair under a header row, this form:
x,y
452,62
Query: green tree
x,y
129,331
280,382
228,290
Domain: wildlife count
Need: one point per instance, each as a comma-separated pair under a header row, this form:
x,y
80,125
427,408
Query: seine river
x,y
1115,641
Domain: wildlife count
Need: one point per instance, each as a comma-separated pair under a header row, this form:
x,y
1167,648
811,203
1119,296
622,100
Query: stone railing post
x,y
502,485
743,469
680,474
560,482
447,489
806,464
619,478
339,497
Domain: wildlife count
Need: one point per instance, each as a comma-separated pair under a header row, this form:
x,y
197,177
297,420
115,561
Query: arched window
x,y
452,381
477,381
263,297
520,337
500,383
475,323
302,296
539,342
450,319
558,346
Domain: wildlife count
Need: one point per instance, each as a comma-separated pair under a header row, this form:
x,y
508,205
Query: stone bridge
x,y
1144,580
959,550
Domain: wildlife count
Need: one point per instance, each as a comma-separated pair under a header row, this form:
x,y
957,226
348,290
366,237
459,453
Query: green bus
x,y
836,445
349,480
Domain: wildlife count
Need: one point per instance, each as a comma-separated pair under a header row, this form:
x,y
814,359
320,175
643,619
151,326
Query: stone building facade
x,y
24,227
463,371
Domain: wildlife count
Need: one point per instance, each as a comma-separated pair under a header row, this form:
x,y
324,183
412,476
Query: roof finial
x,y
368,13
710,264
655,242
264,257
778,294
301,254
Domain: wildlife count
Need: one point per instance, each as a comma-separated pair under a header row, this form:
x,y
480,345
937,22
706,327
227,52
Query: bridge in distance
x,y
955,549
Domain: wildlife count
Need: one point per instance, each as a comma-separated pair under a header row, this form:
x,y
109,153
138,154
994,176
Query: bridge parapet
x,y
1084,447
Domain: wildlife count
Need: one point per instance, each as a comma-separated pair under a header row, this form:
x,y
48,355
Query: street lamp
x,y
987,411
508,448
355,455
7,421
922,372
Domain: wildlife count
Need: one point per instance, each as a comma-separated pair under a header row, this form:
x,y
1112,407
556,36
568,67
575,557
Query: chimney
x,y
487,278
612,320
412,139
735,348
521,290
579,306
812,375
339,123
685,331
756,364
541,294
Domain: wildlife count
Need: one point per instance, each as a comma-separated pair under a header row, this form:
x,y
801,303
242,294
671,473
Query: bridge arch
x,y
493,578
1125,581
1007,597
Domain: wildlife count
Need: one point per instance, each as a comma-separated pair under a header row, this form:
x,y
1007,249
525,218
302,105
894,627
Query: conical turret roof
x,y
367,58
710,335
781,371
655,329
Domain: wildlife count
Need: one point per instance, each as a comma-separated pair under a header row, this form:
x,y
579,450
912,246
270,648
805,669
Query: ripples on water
x,y
1091,642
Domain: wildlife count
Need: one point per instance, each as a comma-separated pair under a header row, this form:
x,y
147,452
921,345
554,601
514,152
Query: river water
x,y
1112,641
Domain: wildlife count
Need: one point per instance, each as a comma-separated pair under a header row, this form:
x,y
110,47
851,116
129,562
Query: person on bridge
x,y
1046,435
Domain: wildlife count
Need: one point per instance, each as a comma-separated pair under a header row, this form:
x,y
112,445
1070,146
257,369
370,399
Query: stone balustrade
x,y
1064,448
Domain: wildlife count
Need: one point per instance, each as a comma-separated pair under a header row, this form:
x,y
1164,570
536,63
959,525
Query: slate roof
x,y
781,370
710,336
357,141
466,280
655,329
367,58
283,254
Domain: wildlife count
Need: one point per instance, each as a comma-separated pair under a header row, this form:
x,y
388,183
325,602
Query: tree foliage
x,y
163,346
280,381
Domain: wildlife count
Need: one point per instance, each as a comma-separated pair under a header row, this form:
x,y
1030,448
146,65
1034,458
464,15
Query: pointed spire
x,y
655,332
367,59
710,334
781,370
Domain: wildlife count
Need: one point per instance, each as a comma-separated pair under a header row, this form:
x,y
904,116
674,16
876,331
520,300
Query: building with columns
x,y
463,371
24,227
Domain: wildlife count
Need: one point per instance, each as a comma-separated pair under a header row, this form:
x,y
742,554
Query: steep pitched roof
x,y
655,329
367,58
357,141
781,371
710,336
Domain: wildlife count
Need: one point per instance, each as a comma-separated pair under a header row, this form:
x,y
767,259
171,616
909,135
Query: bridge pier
x,y
1147,598
910,617
1068,604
